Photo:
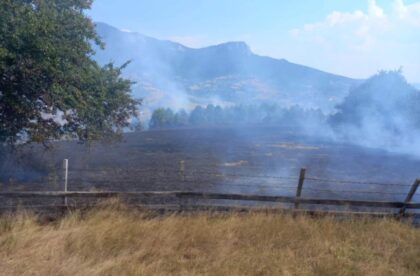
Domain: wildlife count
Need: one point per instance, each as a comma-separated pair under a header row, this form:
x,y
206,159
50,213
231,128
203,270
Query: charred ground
x,y
246,160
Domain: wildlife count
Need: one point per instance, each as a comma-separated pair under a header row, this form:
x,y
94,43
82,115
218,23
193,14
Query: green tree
x,y
50,87
161,118
181,118
198,116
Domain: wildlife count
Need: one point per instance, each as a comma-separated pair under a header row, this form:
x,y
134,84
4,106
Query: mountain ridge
x,y
171,74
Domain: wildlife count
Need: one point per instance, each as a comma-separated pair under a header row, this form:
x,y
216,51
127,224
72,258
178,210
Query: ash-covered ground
x,y
247,160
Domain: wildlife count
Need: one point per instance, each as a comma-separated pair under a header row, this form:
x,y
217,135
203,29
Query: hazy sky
x,y
354,38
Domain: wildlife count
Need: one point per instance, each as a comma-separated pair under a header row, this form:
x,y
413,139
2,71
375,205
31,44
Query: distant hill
x,y
170,74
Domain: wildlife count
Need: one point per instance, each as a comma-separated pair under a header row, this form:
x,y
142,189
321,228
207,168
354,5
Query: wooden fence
x,y
296,201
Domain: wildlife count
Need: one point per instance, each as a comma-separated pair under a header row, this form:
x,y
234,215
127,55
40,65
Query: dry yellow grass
x,y
116,241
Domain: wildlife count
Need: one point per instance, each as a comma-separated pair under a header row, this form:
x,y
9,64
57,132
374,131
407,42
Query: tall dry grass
x,y
116,241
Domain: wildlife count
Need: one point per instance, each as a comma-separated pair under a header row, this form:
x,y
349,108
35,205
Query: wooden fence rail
x,y
218,196
297,200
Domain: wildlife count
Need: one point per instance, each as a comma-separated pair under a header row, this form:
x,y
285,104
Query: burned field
x,y
262,161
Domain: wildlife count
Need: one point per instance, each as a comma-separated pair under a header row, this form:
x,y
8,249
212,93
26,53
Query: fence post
x,y
66,174
409,196
300,185
182,170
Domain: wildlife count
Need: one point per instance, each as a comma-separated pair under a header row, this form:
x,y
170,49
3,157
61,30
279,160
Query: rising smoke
x,y
383,112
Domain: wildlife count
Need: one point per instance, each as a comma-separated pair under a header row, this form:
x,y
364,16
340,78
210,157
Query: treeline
x,y
385,105
240,115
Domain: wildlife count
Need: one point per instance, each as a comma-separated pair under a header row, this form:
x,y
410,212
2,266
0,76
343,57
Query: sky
x,y
354,38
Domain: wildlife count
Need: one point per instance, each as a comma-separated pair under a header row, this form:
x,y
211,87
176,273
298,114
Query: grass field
x,y
113,240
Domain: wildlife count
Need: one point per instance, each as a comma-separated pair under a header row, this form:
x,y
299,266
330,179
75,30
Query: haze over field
x,y
203,122
248,53
342,72
267,90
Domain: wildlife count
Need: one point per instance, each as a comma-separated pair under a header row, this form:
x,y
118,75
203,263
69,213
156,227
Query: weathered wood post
x,y
300,186
66,174
409,196
182,170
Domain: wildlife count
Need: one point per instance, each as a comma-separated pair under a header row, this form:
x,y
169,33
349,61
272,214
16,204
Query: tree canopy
x,y
384,101
50,86
236,116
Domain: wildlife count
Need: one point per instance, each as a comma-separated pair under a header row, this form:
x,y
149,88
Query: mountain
x,y
171,74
